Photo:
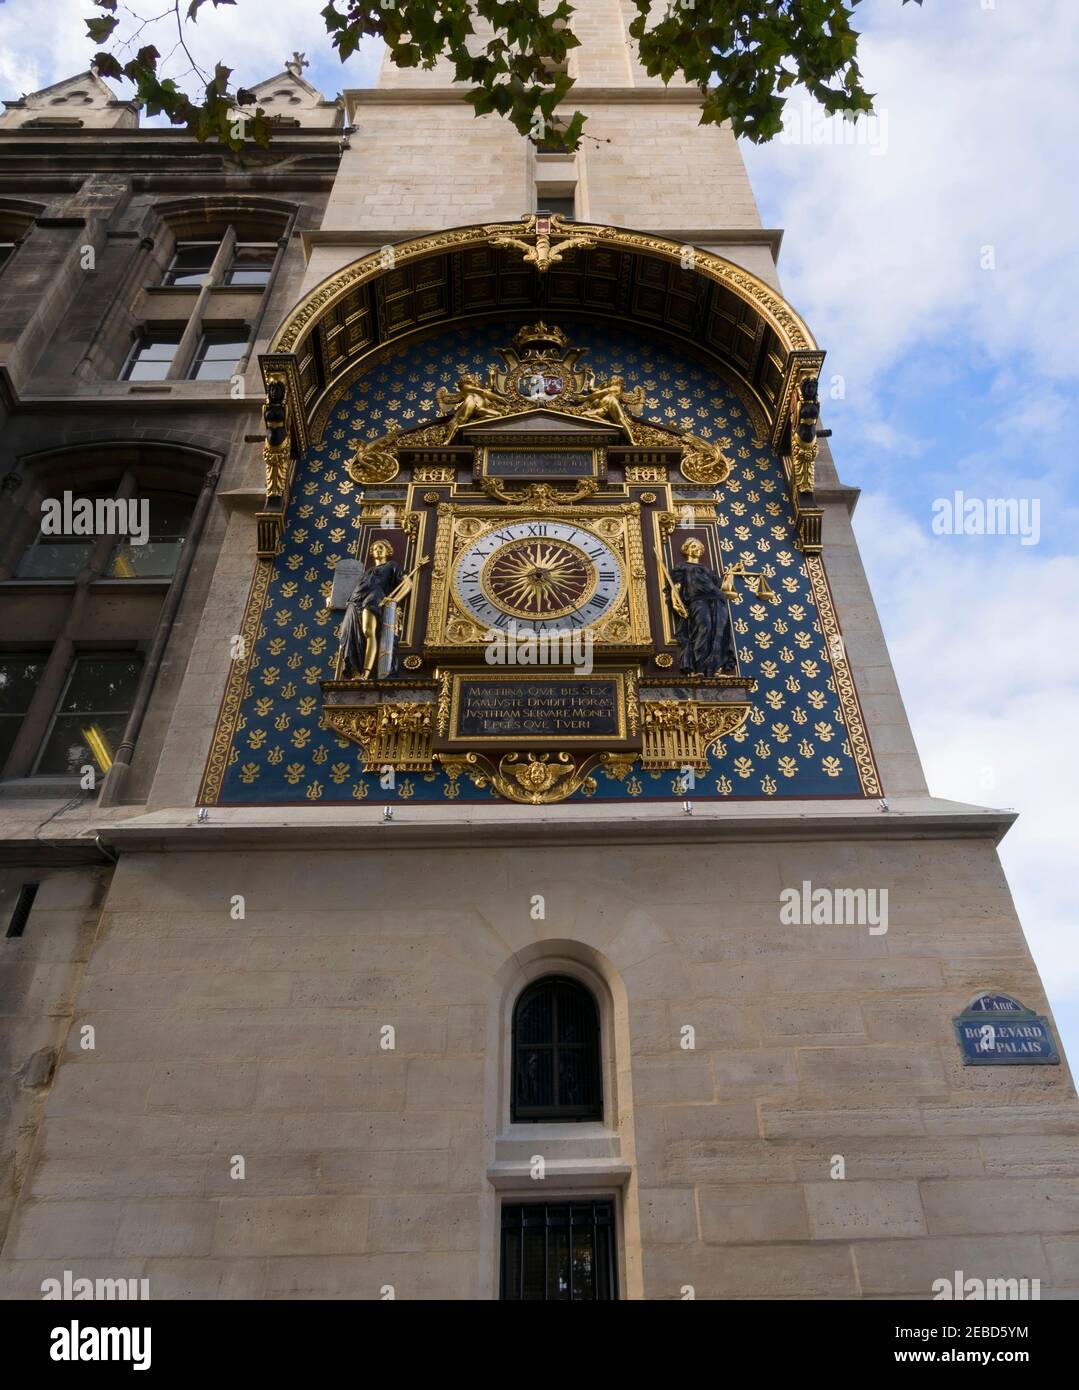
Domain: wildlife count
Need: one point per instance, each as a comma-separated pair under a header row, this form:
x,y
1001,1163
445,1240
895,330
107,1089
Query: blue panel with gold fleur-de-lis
x,y
797,741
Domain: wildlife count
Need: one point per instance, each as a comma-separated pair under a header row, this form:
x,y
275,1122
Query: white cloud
x,y
254,37
986,646
884,248
883,255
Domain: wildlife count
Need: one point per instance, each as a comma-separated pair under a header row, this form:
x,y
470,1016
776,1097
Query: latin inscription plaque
x,y
539,463
559,710
551,709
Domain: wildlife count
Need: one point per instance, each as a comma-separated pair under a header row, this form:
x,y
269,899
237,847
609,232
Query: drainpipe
x,y
121,764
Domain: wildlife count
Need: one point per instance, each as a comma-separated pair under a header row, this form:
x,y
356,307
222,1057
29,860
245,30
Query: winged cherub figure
x,y
470,401
608,401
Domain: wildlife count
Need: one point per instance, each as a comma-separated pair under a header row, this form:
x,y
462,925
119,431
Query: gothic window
x,y
19,676
63,556
91,715
218,353
152,355
247,263
556,1053
191,263
150,554
222,260
558,1251
251,263
107,544
156,554
16,223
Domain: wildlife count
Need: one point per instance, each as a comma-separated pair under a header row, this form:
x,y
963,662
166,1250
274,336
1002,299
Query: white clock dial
x,y
544,575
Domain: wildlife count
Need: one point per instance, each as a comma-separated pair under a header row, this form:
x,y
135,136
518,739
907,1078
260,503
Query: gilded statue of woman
x,y
361,626
702,620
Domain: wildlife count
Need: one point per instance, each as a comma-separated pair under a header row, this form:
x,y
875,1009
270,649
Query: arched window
x,y
556,1047
121,516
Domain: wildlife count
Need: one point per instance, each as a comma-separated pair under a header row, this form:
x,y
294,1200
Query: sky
x,y
933,253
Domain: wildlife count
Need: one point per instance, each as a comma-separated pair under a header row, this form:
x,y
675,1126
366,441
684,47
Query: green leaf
x,y
746,57
108,65
99,30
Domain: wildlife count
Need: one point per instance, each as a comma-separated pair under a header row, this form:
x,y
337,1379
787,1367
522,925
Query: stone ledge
x,y
501,824
560,1173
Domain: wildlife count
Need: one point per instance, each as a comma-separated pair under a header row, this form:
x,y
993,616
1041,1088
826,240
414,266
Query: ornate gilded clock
x,y
541,573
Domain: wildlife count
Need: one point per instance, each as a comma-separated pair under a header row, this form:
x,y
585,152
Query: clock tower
x,y
539,888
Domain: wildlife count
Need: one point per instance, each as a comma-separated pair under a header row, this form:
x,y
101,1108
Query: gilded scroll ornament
x,y
541,779
679,733
540,497
705,463
393,734
543,241
375,462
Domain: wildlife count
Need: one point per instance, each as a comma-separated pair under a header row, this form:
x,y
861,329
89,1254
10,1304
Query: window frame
x,y
603,1224
169,284
30,656
145,336
207,336
117,654
269,247
544,201
591,1048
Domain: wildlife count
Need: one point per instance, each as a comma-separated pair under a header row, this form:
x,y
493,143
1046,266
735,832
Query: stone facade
x,y
238,974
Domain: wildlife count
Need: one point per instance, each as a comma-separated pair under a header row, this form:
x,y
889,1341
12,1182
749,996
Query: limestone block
x,y
903,1268
851,1210
993,1206
426,1223
744,1213
166,1228
63,1230
668,1216
291,1226
749,1271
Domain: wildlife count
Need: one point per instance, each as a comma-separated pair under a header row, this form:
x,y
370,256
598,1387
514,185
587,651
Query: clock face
x,y
542,574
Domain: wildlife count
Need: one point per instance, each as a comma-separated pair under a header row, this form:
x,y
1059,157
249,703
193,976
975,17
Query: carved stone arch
x,y
255,218
17,218
157,465
729,315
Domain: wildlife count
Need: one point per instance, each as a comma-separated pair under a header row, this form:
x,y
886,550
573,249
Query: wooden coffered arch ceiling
x,y
625,277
